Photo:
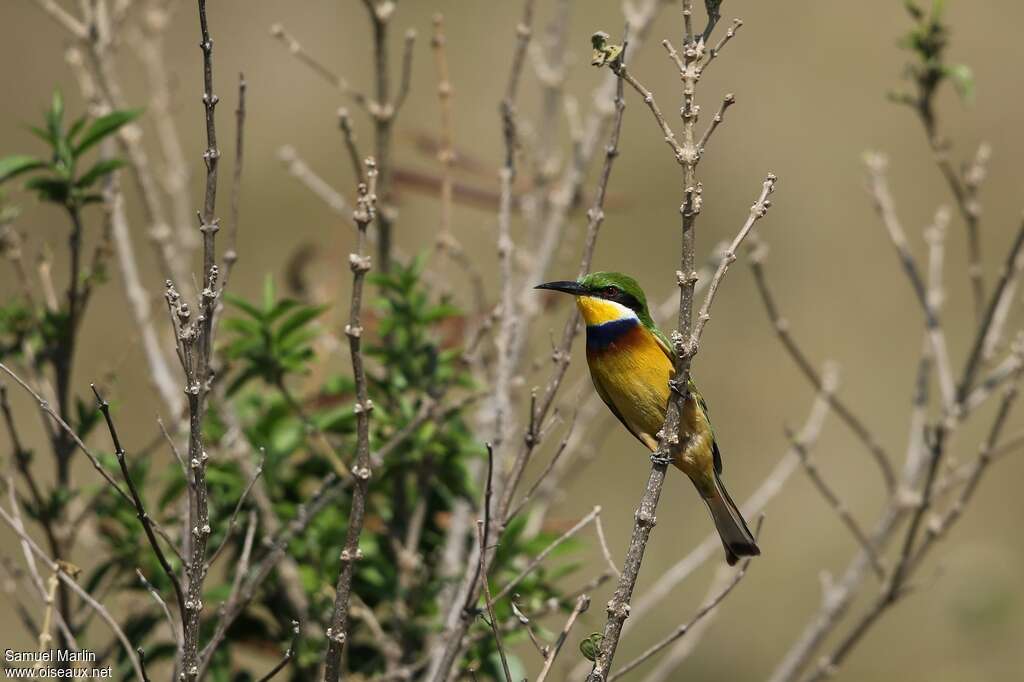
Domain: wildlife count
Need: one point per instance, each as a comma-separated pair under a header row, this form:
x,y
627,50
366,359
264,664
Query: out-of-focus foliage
x,y
44,334
927,40
59,178
272,350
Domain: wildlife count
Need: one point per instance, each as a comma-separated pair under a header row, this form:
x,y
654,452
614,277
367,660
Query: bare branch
x,y
490,602
882,198
582,604
57,569
365,213
45,407
757,211
727,102
136,501
781,326
238,507
801,448
230,251
175,631
703,611
300,53
537,560
288,655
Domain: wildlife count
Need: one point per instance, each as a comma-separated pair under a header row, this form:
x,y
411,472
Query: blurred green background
x,y
810,79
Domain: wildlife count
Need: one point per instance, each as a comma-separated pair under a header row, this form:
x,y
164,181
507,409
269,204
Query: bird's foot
x,y
659,459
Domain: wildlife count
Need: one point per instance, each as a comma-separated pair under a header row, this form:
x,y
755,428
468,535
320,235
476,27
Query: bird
x,y
631,363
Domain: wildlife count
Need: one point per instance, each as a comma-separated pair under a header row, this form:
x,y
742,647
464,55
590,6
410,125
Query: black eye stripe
x,y
617,295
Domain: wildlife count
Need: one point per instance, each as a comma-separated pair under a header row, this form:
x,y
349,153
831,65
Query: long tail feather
x,y
736,536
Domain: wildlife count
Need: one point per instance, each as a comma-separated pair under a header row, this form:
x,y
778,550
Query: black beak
x,y
565,287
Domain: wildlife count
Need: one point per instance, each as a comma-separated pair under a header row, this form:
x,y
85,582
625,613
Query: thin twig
x,y
537,560
175,631
582,604
45,407
604,547
757,211
882,198
54,567
800,447
231,248
136,501
359,262
781,327
288,655
300,53
703,611
490,603
238,507
727,102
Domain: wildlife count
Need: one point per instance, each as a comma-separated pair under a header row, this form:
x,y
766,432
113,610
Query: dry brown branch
x,y
884,205
317,66
348,135
288,655
685,338
139,302
458,616
727,102
703,611
230,250
666,668
489,602
909,556
830,378
359,262
58,569
46,408
175,631
582,604
757,211
317,185
232,520
772,484
244,591
136,501
758,254
537,560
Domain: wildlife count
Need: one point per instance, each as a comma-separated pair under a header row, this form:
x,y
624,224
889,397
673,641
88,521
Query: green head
x,y
611,286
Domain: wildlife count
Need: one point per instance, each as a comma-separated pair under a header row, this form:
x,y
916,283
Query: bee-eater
x,y
631,363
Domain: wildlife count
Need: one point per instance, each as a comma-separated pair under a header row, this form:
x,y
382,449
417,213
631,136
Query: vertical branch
x,y
337,633
195,347
230,252
490,603
687,335
383,110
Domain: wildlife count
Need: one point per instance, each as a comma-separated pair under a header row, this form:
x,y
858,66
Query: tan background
x,y
810,79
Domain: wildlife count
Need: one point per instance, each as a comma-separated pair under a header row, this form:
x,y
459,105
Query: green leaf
x,y
11,166
244,305
914,10
55,115
298,320
963,81
591,645
269,294
43,135
76,127
49,189
100,169
105,126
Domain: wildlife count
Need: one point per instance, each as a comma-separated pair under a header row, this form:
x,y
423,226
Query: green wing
x,y
666,348
707,415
